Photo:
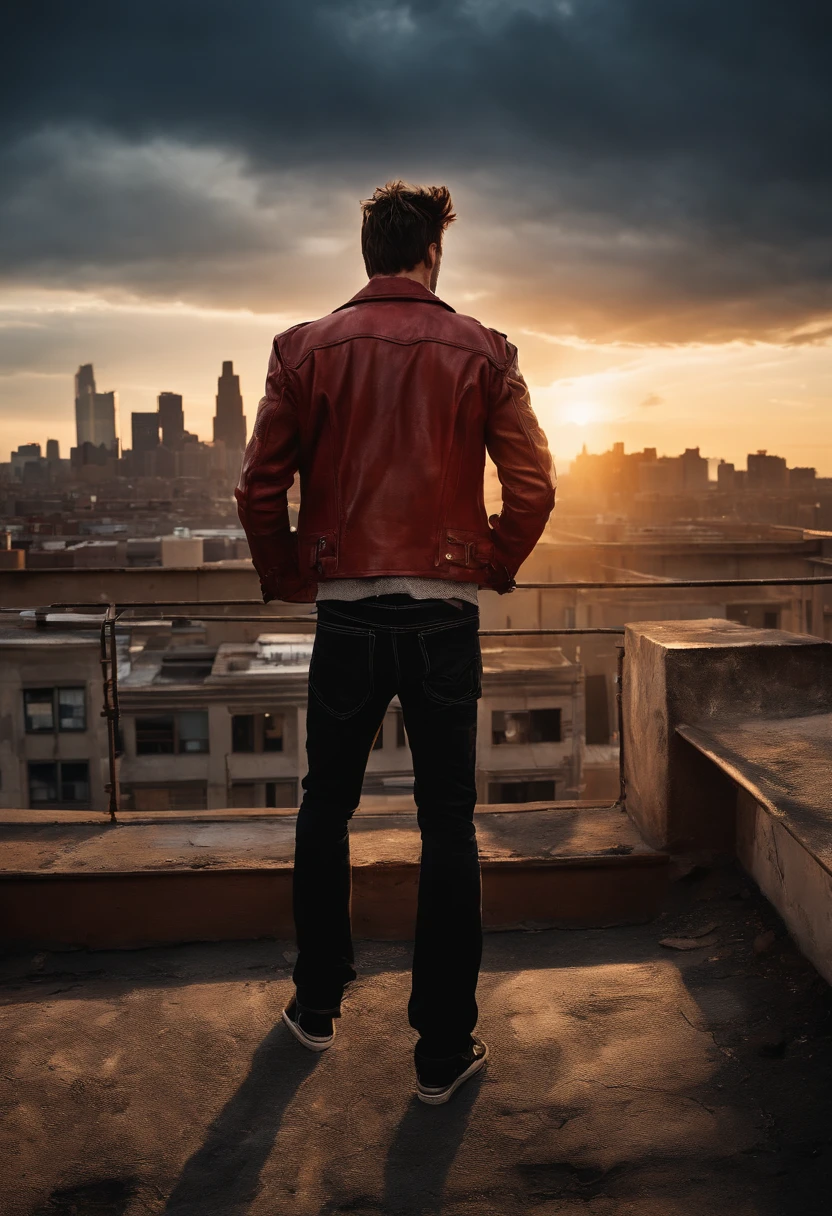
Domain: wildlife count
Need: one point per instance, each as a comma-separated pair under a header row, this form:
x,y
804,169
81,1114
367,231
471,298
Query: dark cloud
x,y
633,168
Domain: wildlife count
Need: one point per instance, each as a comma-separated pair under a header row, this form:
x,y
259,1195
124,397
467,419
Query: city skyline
x,y
228,416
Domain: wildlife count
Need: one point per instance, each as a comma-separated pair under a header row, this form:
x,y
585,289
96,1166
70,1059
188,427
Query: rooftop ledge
x,y
80,880
728,748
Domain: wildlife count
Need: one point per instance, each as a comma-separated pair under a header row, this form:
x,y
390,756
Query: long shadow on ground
x,y
224,1174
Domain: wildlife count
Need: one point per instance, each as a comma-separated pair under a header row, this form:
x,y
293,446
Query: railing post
x,y
109,671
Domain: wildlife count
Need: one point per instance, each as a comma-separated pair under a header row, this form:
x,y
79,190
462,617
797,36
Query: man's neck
x,y
419,274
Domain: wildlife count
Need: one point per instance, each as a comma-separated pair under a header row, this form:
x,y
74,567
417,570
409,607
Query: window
x,y
771,620
242,733
273,732
378,742
247,794
48,709
243,794
155,736
257,732
525,726
66,782
281,793
401,733
177,796
192,731
71,709
39,710
521,791
169,734
597,710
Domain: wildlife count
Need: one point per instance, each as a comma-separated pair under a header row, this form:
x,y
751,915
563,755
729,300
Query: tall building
x,y
95,413
229,421
171,420
105,408
84,403
767,472
726,479
145,432
53,451
694,469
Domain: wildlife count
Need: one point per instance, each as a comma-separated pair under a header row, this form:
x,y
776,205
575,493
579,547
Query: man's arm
x,y
269,467
519,449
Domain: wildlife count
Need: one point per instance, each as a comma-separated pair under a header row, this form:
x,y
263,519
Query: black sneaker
x,y
315,1030
438,1080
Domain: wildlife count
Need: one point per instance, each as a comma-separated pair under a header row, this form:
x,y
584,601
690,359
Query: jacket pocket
x,y
318,551
469,549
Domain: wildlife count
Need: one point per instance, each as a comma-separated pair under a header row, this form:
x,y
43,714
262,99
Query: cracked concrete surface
x,y
30,846
626,1080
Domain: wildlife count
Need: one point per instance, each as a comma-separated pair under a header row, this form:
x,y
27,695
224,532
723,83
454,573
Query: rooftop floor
x,y
627,1079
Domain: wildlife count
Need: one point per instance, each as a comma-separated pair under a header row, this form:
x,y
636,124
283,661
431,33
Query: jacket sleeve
x,y
518,447
269,466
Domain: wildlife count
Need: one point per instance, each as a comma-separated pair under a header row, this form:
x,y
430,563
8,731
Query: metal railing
x,y
124,612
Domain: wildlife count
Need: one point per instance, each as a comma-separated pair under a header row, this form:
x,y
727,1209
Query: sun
x,y
580,413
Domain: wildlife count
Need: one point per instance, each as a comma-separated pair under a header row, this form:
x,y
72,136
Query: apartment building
x,y
53,740
210,727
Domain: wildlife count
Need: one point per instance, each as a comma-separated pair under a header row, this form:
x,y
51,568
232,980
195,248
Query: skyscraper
x,y
104,419
229,420
145,429
84,404
171,420
95,413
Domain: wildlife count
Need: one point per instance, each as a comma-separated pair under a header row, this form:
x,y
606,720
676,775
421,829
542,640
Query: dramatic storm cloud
x,y
635,168
631,176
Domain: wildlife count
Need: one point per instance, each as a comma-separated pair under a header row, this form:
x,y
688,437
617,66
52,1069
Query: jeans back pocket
x,y
341,669
452,662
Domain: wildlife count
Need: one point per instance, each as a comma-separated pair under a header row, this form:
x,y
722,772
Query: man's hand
x,y
498,579
289,591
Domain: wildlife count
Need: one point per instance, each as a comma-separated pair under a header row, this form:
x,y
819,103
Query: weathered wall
x,y
696,672
790,877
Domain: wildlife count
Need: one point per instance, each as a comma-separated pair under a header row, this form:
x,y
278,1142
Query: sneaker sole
x,y
312,1044
432,1098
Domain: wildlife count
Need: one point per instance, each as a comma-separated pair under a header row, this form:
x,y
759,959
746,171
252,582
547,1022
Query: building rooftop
x,y
523,658
14,635
270,654
626,1079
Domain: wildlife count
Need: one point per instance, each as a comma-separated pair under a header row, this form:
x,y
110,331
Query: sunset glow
x,y
662,287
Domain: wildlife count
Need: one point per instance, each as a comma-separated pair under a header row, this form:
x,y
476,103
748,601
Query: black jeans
x,y
365,653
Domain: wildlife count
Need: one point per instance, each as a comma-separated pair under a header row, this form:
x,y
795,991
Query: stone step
x,y
72,880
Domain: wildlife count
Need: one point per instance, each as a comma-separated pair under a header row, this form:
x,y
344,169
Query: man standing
x,y
387,407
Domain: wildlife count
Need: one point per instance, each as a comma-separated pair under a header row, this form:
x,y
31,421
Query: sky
x,y
644,193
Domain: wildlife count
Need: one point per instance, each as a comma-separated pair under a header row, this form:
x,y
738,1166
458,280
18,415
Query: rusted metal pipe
x,y
629,585
109,671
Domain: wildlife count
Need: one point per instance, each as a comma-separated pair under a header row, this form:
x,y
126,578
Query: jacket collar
x,y
394,287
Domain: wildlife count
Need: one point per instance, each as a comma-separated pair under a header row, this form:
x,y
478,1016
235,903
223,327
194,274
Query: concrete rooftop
x,y
627,1079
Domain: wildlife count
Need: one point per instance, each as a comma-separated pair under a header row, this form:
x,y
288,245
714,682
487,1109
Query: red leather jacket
x,y
387,407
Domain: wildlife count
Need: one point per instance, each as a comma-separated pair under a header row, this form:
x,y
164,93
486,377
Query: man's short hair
x,y
400,223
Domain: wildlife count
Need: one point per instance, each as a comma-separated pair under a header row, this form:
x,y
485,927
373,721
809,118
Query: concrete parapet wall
x,y
790,876
696,673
